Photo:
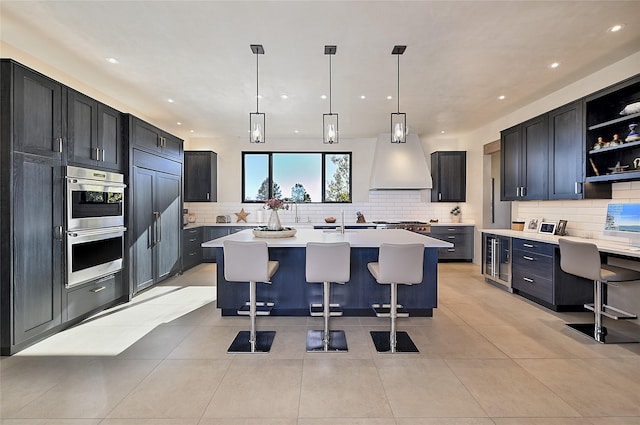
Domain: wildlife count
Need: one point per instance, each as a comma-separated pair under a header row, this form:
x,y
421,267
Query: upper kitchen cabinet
x,y
37,108
449,175
151,139
200,176
95,134
610,117
567,156
524,157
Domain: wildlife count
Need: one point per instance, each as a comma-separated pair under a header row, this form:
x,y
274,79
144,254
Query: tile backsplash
x,y
382,205
585,218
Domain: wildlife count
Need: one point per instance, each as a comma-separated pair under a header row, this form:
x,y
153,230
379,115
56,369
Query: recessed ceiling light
x,y
296,131
323,97
179,123
616,28
502,97
442,131
389,97
363,97
554,65
113,60
170,100
191,131
284,96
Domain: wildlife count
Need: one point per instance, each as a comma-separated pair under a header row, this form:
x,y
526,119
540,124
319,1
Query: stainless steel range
x,y
412,226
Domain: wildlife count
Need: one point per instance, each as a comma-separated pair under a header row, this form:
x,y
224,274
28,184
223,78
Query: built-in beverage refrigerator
x,y
496,259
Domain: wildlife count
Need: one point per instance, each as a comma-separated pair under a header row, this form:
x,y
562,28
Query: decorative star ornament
x,y
242,215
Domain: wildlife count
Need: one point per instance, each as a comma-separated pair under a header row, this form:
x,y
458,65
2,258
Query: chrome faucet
x,y
297,218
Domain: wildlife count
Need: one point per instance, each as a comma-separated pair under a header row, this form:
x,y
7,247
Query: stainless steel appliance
x,y
412,226
95,199
496,259
95,224
94,253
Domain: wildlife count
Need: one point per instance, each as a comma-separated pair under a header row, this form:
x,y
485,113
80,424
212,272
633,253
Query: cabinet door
x,y
142,235
110,138
169,207
510,159
82,113
146,136
535,144
38,252
566,152
450,171
37,114
171,146
200,176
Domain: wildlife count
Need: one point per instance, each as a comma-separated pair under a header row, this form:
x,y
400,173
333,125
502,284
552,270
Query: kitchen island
x,y
292,295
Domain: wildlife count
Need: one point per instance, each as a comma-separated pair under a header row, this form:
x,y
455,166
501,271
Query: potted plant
x,y
455,214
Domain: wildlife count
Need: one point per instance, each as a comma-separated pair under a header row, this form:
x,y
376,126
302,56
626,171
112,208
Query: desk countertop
x,y
607,246
365,238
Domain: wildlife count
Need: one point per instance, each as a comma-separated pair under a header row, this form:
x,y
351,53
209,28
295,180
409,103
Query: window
x,y
296,176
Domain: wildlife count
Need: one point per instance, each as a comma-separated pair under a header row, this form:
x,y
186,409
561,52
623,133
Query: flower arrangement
x,y
456,211
275,204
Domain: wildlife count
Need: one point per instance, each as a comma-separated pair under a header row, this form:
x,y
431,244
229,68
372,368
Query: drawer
x,y
462,247
92,296
532,284
533,246
532,262
438,231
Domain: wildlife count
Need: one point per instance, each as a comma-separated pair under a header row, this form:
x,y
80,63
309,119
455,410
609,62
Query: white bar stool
x,y
249,262
397,265
583,259
326,263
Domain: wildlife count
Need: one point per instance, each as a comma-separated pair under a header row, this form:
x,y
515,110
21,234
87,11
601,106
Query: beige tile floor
x,y
486,357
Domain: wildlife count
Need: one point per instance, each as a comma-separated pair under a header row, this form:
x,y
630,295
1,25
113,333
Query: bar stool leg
x,y
252,341
599,331
393,314
326,340
252,315
327,313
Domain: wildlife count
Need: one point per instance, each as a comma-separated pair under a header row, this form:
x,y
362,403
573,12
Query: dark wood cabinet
x,y
603,120
200,176
567,156
37,112
191,247
449,175
524,156
460,236
147,137
93,296
95,134
536,275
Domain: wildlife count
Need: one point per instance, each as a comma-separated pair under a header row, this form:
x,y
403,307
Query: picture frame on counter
x,y
548,227
532,224
561,230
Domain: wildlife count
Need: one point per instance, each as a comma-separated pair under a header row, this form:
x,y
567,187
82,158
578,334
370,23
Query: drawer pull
x,y
102,288
192,253
451,250
528,258
192,240
192,231
527,245
451,237
451,230
526,279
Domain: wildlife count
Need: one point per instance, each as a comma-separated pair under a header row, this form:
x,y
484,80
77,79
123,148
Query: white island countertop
x,y
363,238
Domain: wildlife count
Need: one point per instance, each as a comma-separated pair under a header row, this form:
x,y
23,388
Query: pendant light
x,y
330,120
256,119
398,119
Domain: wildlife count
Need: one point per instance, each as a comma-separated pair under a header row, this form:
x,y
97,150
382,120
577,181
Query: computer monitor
x,y
623,220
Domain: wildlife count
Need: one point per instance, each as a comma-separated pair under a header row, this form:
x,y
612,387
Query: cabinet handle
x,y
518,192
103,156
451,230
451,237
523,191
59,232
192,254
156,215
528,258
527,245
97,154
526,279
439,196
59,140
159,227
451,249
192,240
207,196
102,288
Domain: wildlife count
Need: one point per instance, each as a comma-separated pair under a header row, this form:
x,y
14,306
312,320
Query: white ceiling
x,y
461,55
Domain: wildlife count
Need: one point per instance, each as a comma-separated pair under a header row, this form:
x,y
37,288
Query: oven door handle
x,y
99,185
104,231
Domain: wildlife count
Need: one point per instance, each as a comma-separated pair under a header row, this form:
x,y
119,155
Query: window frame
x,y
324,157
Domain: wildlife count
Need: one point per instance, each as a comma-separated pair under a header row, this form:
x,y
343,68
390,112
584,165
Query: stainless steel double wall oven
x,y
95,224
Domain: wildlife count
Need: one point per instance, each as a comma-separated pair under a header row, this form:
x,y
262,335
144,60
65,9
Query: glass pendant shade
x,y
398,127
330,129
256,127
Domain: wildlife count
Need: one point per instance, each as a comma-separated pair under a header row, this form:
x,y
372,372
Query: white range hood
x,y
399,165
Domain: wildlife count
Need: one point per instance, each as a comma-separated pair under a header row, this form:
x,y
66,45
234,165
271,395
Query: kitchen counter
x,y
292,294
607,246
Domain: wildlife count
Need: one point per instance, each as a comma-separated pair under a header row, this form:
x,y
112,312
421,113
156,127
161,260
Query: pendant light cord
x,y
257,93
398,83
330,84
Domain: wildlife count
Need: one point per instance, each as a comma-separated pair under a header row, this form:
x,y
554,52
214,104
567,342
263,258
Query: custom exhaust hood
x,y
399,165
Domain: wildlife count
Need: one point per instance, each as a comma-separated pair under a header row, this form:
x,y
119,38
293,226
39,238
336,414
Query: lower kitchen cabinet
x,y
460,236
215,232
191,247
156,220
536,275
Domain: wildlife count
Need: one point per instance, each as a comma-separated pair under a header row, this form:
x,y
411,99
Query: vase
x,y
274,221
455,218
